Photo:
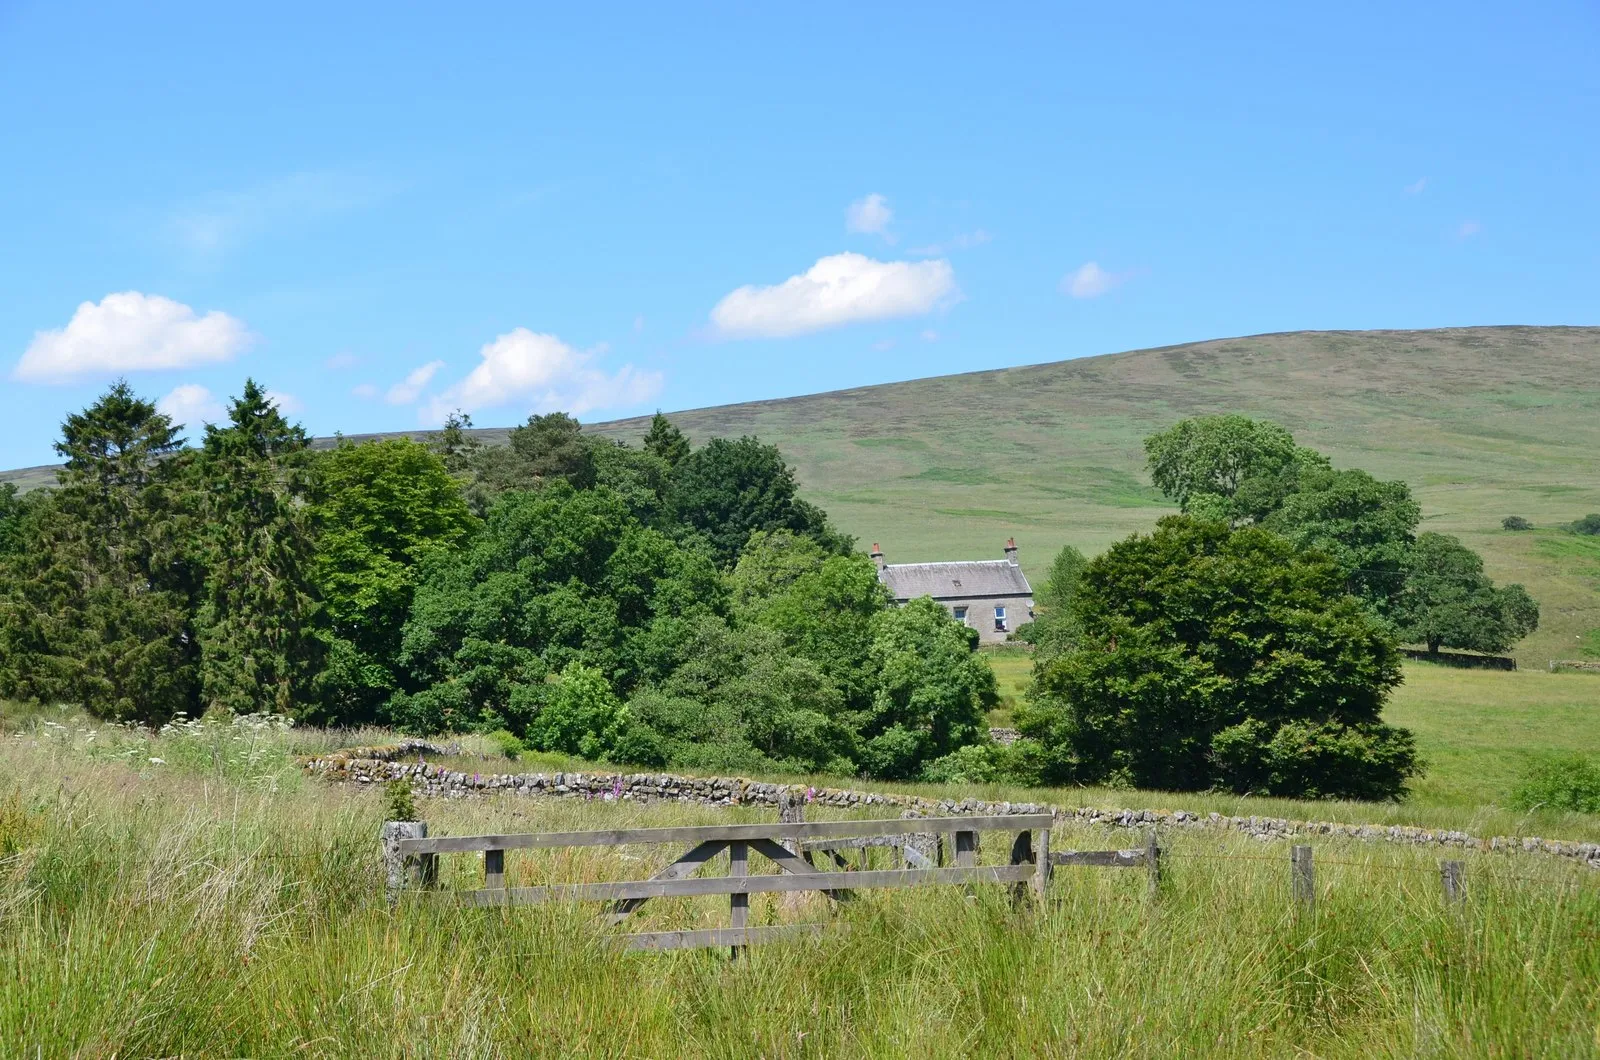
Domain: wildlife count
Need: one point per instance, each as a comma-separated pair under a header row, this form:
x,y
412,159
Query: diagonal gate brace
x,y
688,865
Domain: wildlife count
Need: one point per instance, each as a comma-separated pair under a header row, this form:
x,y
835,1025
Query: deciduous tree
x,y
1448,602
1196,630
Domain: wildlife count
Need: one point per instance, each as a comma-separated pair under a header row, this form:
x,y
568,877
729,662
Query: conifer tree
x,y
256,624
665,440
98,589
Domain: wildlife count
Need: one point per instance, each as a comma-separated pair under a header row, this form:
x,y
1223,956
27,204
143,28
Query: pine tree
x,y
99,591
258,648
665,440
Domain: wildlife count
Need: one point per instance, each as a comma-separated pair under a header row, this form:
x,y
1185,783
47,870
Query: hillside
x,y
1482,422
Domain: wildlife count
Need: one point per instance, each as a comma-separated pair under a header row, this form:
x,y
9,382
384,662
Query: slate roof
x,y
945,581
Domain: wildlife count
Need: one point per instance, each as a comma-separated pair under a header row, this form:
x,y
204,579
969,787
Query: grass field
x,y
1479,729
217,904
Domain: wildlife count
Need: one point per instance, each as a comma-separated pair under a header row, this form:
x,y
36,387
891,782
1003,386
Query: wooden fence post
x,y
790,811
1022,854
1450,876
1303,878
966,848
494,868
1152,863
738,904
400,871
1041,873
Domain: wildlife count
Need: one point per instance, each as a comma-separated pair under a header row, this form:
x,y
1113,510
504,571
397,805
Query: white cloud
x,y
192,404
960,241
1468,229
410,388
1089,280
130,332
540,371
837,290
1417,186
287,404
930,335
364,391
883,345
216,223
871,215
341,361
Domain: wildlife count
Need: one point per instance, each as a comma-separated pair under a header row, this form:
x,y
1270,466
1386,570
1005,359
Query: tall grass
x,y
150,912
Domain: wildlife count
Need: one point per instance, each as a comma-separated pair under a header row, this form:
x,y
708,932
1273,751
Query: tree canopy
x,y
729,489
1448,601
1228,467
1213,657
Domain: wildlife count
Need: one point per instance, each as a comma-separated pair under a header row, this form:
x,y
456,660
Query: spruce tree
x,y
99,590
256,624
665,440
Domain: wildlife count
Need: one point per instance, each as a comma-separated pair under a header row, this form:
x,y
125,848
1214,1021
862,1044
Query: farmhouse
x,y
990,595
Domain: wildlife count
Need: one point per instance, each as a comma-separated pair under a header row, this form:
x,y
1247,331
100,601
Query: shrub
x,y
1589,524
985,763
1515,522
506,742
1559,782
580,715
1316,761
402,807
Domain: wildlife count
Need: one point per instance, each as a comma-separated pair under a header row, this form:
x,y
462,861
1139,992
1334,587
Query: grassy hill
x,y
1482,422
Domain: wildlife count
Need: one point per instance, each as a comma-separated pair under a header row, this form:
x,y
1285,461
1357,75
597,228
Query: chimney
x,y
877,556
1011,550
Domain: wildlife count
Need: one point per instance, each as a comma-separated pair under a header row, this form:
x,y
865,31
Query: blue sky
x,y
382,212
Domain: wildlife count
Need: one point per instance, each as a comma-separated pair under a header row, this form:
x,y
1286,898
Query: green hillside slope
x,y
1483,422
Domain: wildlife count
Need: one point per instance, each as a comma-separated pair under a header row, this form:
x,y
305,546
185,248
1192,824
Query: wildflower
x,y
811,793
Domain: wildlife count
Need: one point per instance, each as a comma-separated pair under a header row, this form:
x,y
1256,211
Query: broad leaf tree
x,y
381,510
1228,467
727,490
1364,525
1448,602
556,576
932,690
1213,657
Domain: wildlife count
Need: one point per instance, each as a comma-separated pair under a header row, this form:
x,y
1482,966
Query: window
x,y
999,620
961,615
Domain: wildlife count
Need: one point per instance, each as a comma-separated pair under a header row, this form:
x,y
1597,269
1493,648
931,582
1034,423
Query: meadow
x,y
190,892
213,906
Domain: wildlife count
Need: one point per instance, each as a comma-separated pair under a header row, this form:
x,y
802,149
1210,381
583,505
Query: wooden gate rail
x,y
1030,863
1147,857
1013,822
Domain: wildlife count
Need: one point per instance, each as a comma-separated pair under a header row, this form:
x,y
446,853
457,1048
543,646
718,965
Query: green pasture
x,y
219,905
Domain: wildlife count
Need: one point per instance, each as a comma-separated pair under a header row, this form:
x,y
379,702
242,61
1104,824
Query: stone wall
x,y
382,765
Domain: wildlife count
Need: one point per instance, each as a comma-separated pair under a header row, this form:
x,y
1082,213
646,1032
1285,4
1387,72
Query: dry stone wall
x,y
381,765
